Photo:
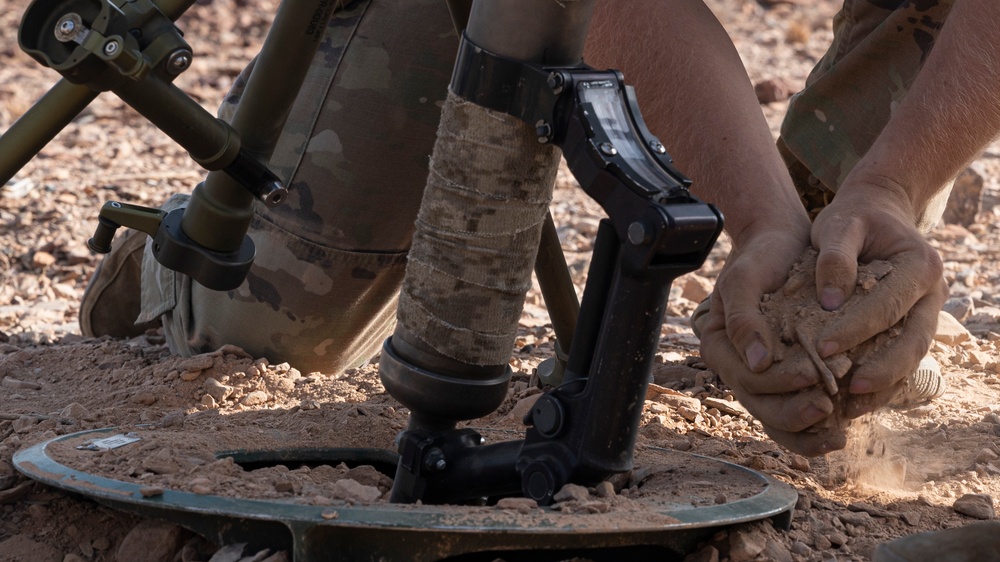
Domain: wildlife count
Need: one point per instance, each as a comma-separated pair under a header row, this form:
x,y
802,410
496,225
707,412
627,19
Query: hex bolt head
x,y
608,149
434,460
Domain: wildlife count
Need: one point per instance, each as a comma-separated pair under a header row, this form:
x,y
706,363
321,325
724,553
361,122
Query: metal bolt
x,y
608,149
116,204
70,27
637,234
658,147
434,460
543,130
179,61
111,47
556,81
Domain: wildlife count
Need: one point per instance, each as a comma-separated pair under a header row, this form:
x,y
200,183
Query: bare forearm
x,y
695,95
950,114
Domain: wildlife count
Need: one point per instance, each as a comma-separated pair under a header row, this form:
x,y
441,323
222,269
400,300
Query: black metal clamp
x,y
584,430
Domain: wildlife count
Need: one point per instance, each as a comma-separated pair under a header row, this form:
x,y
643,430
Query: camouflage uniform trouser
x,y
322,292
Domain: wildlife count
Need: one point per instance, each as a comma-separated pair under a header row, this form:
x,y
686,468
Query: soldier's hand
x,y
738,343
865,222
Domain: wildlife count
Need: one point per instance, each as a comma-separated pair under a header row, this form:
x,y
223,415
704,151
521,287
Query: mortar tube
x,y
420,351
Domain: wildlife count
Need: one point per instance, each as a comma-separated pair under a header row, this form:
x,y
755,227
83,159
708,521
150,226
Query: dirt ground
x,y
939,467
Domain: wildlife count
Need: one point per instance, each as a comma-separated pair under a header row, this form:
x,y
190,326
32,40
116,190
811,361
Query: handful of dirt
x,y
797,317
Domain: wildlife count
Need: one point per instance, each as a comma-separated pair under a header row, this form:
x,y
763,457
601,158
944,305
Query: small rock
x,y
798,462
691,414
520,505
11,382
572,492
960,307
208,401
76,411
354,490
836,538
523,406
746,544
255,398
911,518
189,376
144,398
197,363
772,90
42,259
950,331
822,543
229,553
71,557
151,491
856,518
675,399
329,514
979,506
605,489
707,554
774,551
985,456
217,390
151,541
696,288
733,408
800,548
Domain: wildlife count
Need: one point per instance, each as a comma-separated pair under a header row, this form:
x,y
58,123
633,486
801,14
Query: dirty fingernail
x,y
803,381
812,414
831,298
860,386
756,353
827,348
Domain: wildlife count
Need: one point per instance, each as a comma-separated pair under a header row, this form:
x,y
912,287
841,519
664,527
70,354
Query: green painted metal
x,y
54,111
392,532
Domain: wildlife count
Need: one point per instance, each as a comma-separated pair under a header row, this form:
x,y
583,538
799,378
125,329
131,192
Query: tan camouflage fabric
x,y
878,49
322,292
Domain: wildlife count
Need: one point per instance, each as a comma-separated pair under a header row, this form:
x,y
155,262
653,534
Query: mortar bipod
x,y
584,430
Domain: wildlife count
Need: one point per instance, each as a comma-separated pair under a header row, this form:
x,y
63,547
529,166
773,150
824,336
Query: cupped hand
x,y
738,343
866,221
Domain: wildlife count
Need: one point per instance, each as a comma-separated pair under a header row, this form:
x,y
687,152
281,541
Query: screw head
x,y
67,27
658,147
111,47
608,149
179,61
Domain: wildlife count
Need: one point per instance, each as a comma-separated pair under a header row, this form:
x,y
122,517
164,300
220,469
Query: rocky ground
x,y
939,467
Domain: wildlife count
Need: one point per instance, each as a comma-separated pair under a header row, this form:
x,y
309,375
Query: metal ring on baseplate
x,y
416,533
